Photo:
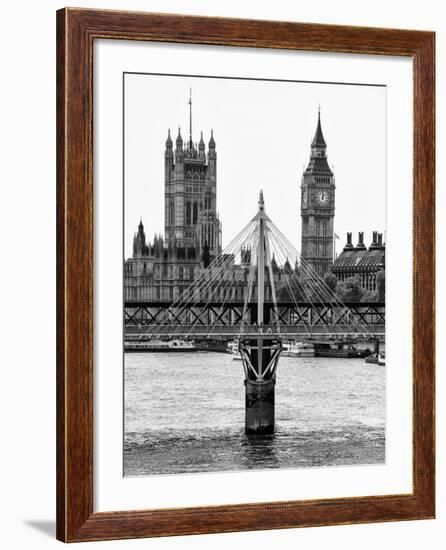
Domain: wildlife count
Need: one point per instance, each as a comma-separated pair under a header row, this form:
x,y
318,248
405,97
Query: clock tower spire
x,y
318,206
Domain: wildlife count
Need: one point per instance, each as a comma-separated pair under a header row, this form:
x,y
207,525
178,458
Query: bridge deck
x,y
253,331
227,320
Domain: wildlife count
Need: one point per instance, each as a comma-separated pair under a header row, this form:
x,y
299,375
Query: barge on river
x,y
136,345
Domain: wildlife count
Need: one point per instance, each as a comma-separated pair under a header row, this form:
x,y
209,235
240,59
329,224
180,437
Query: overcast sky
x,y
263,132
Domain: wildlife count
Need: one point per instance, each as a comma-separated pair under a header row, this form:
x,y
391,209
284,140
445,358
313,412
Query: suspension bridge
x,y
259,292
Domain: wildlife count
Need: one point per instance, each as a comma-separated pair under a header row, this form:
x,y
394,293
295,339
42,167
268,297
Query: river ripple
x,y
184,413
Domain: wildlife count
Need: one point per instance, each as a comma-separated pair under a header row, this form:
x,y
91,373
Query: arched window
x,y
195,213
188,213
172,212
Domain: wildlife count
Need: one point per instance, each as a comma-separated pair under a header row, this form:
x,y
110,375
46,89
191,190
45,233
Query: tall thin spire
x,y
190,117
318,157
318,140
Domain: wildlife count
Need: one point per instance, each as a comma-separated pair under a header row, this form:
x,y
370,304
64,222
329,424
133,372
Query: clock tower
x,y
318,207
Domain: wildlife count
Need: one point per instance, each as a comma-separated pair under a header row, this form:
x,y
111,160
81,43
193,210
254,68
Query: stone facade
x,y
190,195
158,271
161,270
318,207
360,261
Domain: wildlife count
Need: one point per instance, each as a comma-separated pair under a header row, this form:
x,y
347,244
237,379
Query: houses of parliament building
x,y
161,270
164,268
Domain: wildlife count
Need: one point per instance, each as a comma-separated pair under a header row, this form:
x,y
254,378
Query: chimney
x,y
380,240
349,245
360,245
374,241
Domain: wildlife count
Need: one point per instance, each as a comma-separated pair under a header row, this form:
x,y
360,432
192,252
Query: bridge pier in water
x,y
259,406
260,390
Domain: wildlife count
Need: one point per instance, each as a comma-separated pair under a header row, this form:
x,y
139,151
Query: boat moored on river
x,y
136,345
376,359
233,349
346,350
298,349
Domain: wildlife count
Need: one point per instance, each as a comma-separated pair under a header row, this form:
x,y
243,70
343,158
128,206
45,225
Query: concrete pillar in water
x,y
259,391
259,406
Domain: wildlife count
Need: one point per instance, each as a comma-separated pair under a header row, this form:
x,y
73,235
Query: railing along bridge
x,y
225,320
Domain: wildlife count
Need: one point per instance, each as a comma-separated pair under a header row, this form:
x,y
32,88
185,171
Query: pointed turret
x,y
179,141
169,143
212,142
318,140
201,147
318,158
168,155
273,262
139,241
212,156
179,152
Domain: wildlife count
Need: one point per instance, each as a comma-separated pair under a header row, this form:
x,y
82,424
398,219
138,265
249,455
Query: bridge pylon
x,y
260,356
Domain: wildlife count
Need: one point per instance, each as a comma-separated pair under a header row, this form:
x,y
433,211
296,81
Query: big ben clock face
x,y
322,198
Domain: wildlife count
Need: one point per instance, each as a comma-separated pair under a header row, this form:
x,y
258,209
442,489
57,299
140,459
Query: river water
x,y
184,413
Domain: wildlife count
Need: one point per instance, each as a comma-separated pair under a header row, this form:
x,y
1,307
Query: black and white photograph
x,y
223,224
254,274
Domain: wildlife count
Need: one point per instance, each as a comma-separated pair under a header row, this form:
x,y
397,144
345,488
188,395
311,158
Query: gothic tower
x,y
190,191
318,207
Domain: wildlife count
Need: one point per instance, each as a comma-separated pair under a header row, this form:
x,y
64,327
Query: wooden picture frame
x,y
76,31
